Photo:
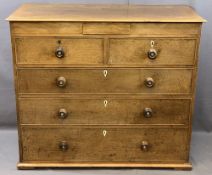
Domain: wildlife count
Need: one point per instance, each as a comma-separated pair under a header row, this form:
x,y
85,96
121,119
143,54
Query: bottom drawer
x,y
104,144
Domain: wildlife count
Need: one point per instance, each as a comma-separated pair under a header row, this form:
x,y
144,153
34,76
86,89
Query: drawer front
x,y
166,29
41,50
106,28
104,144
105,81
169,51
45,28
70,28
150,29
103,111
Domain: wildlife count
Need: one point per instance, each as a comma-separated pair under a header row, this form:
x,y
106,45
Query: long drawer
x,y
103,111
104,144
152,81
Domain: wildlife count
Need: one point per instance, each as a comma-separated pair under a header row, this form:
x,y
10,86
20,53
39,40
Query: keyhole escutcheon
x,y
105,103
105,73
104,133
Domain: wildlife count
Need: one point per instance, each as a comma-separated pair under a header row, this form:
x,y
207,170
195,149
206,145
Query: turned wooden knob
x,y
62,114
149,82
147,112
59,53
144,146
152,54
63,146
61,82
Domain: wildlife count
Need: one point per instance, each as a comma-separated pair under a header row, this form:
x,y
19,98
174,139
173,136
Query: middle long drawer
x,y
103,110
109,80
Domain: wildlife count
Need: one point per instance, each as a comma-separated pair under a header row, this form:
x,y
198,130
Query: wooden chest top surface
x,y
106,13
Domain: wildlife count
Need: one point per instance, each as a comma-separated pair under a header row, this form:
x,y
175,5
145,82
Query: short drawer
x,y
59,50
104,144
124,81
103,111
152,51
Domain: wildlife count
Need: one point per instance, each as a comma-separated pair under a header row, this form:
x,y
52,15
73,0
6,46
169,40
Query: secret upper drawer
x,y
121,80
99,51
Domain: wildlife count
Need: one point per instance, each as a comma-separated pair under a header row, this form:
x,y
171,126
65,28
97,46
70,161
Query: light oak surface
x,y
104,91
88,81
104,28
176,166
134,51
94,111
45,28
118,145
106,13
35,50
125,51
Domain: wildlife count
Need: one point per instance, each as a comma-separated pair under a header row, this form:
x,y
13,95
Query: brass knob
x,y
149,82
59,53
63,146
147,112
61,82
62,114
144,146
152,54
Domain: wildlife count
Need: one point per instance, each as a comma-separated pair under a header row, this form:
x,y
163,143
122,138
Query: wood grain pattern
x,y
39,50
105,61
92,28
167,81
176,166
116,146
45,28
122,51
94,111
171,51
165,29
106,28
106,13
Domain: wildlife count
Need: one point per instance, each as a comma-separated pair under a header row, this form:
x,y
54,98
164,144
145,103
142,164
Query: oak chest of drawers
x,y
105,85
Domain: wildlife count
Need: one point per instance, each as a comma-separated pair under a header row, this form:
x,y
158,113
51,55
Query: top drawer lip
x,y
103,28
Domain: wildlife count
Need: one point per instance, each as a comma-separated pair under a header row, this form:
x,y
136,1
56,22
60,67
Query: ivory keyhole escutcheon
x,y
152,43
105,103
105,73
104,133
